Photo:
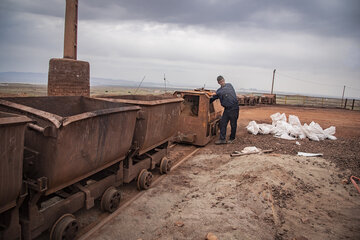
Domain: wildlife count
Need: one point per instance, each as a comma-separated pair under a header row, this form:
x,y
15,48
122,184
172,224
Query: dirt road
x,y
274,196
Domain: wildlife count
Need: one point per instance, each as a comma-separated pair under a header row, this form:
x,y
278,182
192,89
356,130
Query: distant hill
x,y
23,77
42,78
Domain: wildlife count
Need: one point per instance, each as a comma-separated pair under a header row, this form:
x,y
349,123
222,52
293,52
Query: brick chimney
x,y
69,76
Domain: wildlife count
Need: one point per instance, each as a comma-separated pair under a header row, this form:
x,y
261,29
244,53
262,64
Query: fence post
x,y
285,99
322,102
353,103
303,100
345,103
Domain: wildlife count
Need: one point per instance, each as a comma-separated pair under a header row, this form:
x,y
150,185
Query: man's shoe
x,y
218,142
231,140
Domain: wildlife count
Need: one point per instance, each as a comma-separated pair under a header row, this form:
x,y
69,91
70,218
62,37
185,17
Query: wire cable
x,y
329,84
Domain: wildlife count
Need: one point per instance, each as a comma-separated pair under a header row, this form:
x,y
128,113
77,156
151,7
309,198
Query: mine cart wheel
x,y
110,200
66,227
144,179
165,166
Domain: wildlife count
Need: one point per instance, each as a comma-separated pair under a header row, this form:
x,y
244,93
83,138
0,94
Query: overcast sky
x,y
314,45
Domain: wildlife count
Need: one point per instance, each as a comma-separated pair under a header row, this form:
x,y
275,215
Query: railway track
x,y
93,219
178,154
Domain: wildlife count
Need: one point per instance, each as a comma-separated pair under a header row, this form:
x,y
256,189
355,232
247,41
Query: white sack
x,y
253,128
330,131
277,117
285,136
250,150
265,128
292,129
294,120
308,132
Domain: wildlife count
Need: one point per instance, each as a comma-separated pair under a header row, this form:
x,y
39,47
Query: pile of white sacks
x,y
291,130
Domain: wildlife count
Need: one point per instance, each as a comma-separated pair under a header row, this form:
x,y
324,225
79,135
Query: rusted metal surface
x,y
74,137
12,131
199,119
247,99
156,124
157,121
12,190
268,99
241,99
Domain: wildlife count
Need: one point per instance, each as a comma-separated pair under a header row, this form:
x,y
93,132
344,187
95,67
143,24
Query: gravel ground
x,y
250,197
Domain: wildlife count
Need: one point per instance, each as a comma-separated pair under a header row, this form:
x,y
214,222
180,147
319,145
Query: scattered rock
x,y
211,236
300,238
179,224
305,220
345,181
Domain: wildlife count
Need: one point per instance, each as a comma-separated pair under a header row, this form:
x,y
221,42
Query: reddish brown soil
x,y
344,152
260,196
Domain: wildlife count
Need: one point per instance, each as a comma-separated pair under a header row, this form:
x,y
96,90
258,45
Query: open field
x,y
18,89
353,104
23,90
271,196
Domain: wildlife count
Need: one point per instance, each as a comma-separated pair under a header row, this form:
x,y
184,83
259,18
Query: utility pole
x,y
272,85
342,99
165,82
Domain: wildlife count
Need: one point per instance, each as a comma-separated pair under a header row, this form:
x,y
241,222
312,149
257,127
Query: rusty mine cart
x,y
74,152
199,119
156,125
268,99
12,190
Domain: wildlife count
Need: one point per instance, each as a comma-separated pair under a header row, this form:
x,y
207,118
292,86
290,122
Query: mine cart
x,y
74,154
250,100
156,125
12,191
268,99
241,99
199,119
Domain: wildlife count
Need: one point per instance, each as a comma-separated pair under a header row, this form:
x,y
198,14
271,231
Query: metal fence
x,y
351,104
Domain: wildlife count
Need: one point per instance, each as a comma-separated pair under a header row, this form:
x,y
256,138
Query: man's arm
x,y
213,98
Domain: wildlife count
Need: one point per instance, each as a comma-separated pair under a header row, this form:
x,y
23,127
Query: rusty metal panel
x,y
199,119
268,99
74,136
12,130
157,121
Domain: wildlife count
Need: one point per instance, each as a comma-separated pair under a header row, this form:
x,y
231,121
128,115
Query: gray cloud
x,y
321,16
316,16
188,39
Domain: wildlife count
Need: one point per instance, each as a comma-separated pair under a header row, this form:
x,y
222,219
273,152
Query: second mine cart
x,y
156,125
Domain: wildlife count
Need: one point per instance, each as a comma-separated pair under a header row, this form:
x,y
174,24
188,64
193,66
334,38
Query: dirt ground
x,y
270,196
344,152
